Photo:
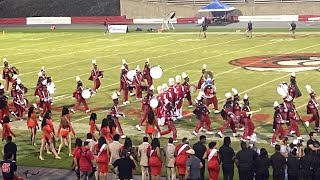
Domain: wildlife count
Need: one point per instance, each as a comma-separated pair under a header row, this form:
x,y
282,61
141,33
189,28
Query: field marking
x,y
177,52
48,57
255,87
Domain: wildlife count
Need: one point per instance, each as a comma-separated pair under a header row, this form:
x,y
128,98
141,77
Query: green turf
x,y
68,53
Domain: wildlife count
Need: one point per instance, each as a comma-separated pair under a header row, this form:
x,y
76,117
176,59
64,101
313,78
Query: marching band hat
x,y
138,68
293,74
44,82
151,88
228,95
122,67
309,89
184,75
148,61
159,89
42,68
94,61
178,79
245,96
171,81
14,77
204,66
114,96
18,81
5,60
276,104
124,61
78,79
235,91
164,87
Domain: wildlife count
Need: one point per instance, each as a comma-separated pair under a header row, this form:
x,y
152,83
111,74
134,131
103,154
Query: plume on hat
x,y
275,104
114,96
228,95
309,89
124,61
78,79
204,66
94,61
235,91
5,60
184,75
293,74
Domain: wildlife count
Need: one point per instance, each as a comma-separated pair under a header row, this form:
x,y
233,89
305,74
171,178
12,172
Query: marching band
x,y
163,108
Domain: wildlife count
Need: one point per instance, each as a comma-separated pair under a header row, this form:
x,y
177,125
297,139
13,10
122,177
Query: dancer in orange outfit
x,y
93,126
32,124
213,161
152,125
6,129
108,129
66,114
63,132
103,158
46,137
182,157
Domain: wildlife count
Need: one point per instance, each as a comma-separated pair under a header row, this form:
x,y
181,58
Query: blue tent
x,y
216,6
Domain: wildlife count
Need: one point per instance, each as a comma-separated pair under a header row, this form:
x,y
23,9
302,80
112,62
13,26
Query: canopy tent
x,y
216,6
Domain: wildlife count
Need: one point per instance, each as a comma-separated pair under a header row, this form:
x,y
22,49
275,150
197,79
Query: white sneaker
x,y
220,134
307,123
88,110
72,110
175,141
273,144
216,111
299,138
138,127
241,129
292,132
40,118
194,133
190,106
132,94
180,117
123,136
158,135
124,103
203,129
244,140
118,93
128,102
235,134
209,132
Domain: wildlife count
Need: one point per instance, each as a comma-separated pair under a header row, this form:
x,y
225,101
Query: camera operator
x,y
312,143
297,146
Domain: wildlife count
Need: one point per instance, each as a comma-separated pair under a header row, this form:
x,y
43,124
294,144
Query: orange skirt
x,y
31,124
64,133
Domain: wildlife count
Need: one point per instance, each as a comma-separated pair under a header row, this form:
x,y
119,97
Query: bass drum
x,y
156,72
86,94
131,74
51,88
154,103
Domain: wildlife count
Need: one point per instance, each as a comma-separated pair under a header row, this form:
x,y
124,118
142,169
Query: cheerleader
x,y
108,128
182,157
63,133
66,114
152,125
32,124
155,162
47,115
93,126
6,129
213,161
103,158
47,138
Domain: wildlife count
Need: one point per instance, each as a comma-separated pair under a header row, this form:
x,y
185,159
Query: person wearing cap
x,y
278,122
45,98
180,94
77,94
186,85
146,73
6,73
245,116
193,166
228,116
137,80
95,76
182,157
202,78
312,108
146,108
4,109
116,114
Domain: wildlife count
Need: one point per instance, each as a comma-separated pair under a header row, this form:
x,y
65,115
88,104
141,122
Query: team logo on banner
x,y
281,63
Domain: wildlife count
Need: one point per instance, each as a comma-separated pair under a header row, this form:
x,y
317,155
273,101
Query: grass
x,y
68,53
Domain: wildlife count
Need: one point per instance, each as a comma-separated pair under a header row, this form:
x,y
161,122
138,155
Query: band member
x,y
229,117
182,157
246,119
95,76
249,29
116,115
293,89
202,78
159,109
186,87
77,94
204,26
292,123
312,108
45,99
32,124
19,102
202,112
180,93
210,95
145,107
6,129
172,92
14,84
146,72
293,27
6,74
169,117
124,85
137,80
37,93
4,109
237,107
164,96
278,121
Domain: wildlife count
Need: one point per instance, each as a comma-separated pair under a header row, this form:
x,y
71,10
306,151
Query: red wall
x,y
16,21
101,20
305,17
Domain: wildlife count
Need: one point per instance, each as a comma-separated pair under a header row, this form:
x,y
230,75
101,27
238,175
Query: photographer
x,y
296,145
312,143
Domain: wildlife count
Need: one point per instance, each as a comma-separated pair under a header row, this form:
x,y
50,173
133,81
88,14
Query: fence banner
x,y
118,28
274,18
48,20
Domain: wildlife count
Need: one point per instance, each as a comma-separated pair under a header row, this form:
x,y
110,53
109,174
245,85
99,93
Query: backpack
x,y
3,102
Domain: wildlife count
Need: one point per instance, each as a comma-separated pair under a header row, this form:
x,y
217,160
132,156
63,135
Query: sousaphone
x,y
208,74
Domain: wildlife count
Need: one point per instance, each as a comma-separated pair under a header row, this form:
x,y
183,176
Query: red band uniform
x,y
146,73
186,86
168,109
95,76
137,80
278,121
114,112
77,94
180,93
312,108
6,74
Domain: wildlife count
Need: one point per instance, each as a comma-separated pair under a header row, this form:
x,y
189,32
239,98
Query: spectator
x,y
293,165
226,154
9,167
296,145
252,143
125,166
200,150
213,161
316,167
193,166
312,143
91,141
244,160
10,147
78,145
306,163
284,148
278,163
155,162
143,154
84,161
128,146
169,150
103,157
115,148
182,157
262,165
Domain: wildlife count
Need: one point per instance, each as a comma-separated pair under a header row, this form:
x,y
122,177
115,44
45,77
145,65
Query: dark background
x,y
57,8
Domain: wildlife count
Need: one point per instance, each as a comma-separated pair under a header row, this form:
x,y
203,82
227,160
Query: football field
x,y
254,66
